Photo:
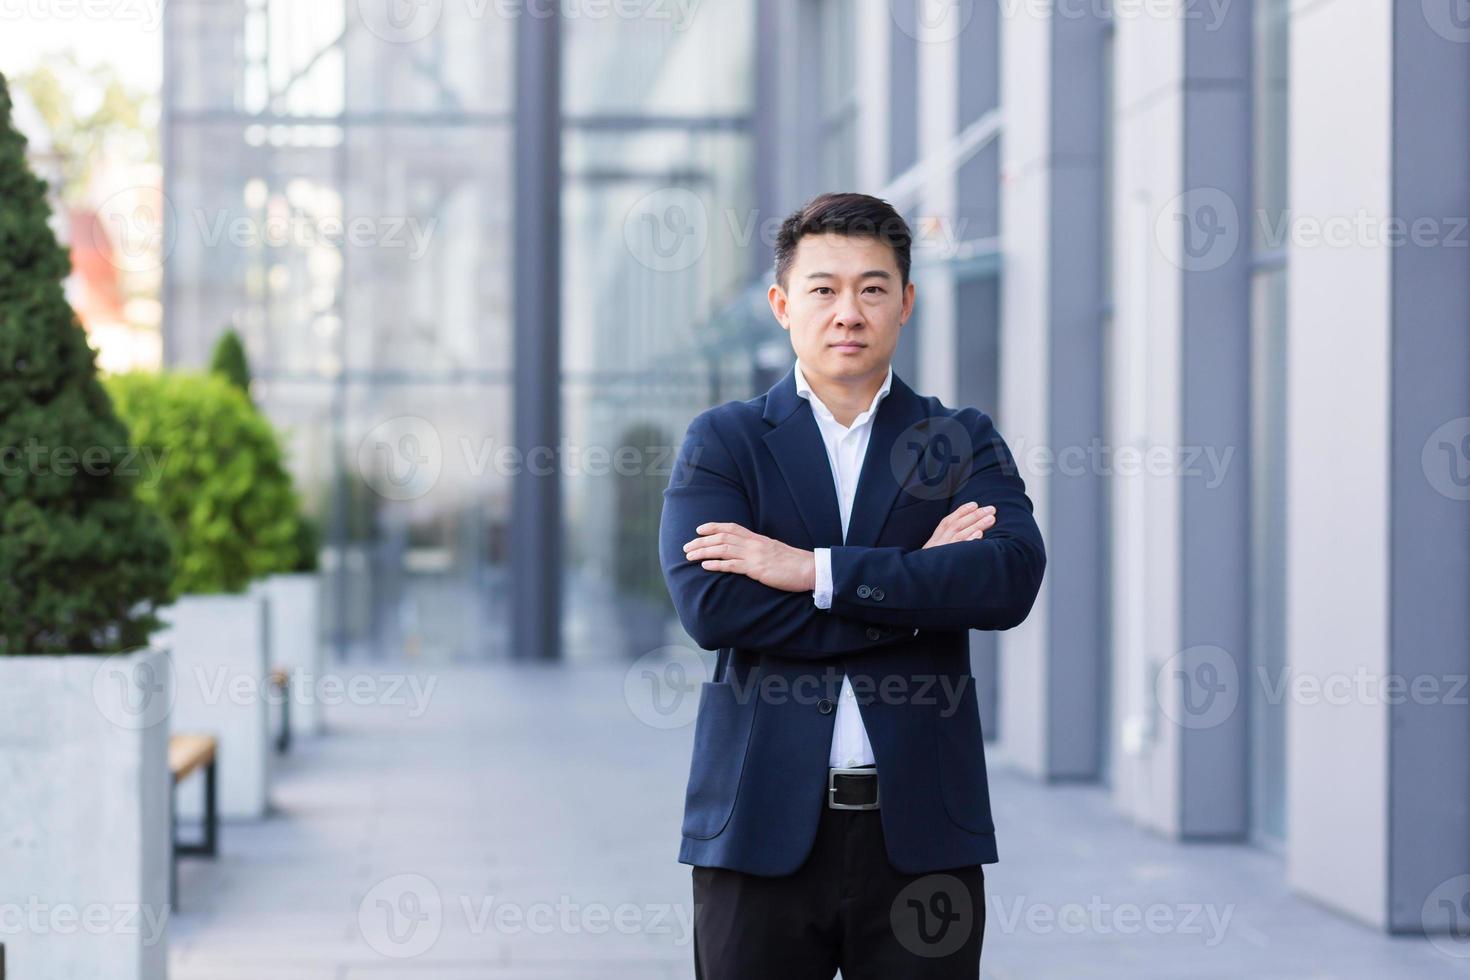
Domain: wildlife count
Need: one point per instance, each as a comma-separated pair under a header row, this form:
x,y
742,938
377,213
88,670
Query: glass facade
x,y
657,207
341,191
1107,194
1268,427
839,95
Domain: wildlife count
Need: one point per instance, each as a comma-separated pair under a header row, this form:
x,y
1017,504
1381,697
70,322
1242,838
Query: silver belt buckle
x,y
834,772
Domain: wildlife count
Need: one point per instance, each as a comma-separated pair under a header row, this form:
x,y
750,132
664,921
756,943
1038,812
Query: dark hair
x,y
846,214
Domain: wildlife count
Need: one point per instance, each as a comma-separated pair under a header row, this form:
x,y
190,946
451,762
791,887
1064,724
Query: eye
x,y
821,288
878,288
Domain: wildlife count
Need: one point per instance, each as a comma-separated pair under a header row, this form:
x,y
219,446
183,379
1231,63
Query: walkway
x,y
526,825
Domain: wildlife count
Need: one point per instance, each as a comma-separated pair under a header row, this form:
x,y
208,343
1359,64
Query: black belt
x,y
852,789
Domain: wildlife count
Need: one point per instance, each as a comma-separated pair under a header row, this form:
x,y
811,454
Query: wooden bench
x,y
281,681
186,755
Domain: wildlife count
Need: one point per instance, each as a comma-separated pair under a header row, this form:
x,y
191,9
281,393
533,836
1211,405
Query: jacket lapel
x,y
887,463
796,444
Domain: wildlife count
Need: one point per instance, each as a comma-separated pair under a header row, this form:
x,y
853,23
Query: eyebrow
x,y
880,273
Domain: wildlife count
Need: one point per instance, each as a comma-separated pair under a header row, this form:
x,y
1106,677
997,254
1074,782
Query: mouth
x,y
848,345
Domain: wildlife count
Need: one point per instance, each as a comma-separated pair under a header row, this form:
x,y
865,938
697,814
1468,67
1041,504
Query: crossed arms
x,y
733,587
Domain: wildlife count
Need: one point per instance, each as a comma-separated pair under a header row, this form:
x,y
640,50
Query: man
x,y
835,539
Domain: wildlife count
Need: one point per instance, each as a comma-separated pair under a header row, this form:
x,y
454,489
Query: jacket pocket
x,y
721,737
960,750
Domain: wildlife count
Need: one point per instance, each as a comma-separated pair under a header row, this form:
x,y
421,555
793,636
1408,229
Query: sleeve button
x,y
878,595
863,591
874,633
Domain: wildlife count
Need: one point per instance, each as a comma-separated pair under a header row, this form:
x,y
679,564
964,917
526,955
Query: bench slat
x,y
187,753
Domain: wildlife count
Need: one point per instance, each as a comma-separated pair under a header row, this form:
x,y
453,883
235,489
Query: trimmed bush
x,y
222,488
308,543
232,363
229,361
83,562
638,499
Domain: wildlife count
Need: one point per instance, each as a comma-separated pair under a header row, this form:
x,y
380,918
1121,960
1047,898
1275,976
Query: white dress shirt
x,y
846,447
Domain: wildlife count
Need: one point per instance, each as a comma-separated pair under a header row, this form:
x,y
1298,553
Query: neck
x,y
846,398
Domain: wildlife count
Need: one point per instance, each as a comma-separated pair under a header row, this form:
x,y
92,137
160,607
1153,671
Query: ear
x,y
776,296
909,292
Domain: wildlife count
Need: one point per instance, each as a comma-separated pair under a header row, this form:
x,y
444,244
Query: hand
x,y
968,522
727,547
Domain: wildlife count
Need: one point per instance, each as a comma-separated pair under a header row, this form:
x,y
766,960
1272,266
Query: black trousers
x,y
845,908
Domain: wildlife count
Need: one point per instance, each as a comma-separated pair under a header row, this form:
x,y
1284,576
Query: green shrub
x,y
637,508
83,562
229,361
308,543
222,486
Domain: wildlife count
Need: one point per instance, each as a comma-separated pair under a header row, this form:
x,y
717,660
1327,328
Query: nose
x,y
849,314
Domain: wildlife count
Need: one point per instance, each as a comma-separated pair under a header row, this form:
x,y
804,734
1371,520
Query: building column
x,y
1378,511
535,531
1050,378
1180,426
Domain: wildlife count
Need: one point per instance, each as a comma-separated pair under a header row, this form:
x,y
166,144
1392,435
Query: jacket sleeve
x,y
989,584
725,609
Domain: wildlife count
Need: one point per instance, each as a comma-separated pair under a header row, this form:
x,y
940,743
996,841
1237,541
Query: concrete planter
x,y
84,821
295,643
221,659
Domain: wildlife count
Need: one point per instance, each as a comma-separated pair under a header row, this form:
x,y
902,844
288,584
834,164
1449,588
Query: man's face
x,y
843,306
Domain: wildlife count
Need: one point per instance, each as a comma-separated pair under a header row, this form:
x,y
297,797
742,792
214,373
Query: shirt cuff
x,y
822,594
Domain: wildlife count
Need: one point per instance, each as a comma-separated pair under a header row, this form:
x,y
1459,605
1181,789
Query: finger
x,y
708,540
718,565
965,509
963,525
952,536
713,551
715,527
965,521
957,514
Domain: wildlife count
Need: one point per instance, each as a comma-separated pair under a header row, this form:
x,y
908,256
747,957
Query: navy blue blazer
x,y
898,625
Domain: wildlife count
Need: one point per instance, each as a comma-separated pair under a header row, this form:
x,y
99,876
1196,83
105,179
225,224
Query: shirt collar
x,y
804,390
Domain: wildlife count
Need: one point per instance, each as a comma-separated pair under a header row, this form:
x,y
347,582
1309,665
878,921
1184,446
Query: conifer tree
x,y
83,562
230,361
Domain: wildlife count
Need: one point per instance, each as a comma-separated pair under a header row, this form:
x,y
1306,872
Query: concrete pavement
x,y
524,821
